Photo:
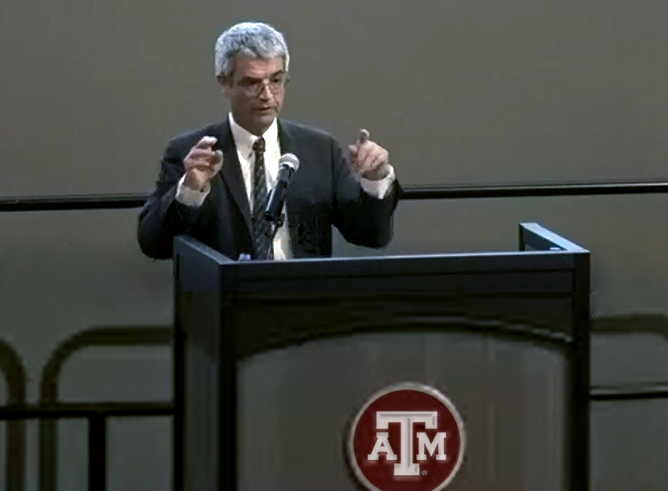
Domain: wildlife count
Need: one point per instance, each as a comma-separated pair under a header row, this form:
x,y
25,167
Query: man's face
x,y
256,90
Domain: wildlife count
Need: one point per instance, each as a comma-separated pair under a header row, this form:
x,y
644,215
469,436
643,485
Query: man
x,y
213,183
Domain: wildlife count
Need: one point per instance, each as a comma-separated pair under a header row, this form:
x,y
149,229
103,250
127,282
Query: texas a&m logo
x,y
408,437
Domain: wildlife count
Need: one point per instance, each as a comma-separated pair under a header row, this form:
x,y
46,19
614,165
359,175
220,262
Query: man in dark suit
x,y
213,183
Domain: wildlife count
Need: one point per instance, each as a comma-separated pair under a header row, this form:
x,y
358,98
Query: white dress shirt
x,y
243,141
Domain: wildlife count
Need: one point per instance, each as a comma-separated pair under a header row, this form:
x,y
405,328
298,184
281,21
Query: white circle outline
x,y
419,388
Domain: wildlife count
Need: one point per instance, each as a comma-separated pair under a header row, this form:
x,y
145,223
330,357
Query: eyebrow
x,y
255,79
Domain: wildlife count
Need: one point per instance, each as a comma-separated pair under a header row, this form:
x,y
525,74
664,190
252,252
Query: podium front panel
x,y
295,407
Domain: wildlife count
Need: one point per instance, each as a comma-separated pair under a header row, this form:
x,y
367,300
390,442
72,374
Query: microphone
x,y
287,166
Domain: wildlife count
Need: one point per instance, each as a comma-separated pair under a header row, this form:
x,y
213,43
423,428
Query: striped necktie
x,y
261,227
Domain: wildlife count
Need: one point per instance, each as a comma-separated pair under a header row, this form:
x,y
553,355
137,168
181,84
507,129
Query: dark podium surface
x,y
274,358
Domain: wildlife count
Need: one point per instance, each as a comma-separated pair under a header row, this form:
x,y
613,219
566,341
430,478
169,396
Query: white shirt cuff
x,y
190,197
378,189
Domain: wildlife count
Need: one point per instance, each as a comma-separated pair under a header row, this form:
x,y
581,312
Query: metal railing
x,y
412,192
97,415
49,408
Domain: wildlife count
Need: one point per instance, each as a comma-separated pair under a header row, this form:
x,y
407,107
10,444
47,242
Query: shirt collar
x,y
244,139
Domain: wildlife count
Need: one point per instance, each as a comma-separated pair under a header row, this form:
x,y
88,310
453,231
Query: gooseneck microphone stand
x,y
276,224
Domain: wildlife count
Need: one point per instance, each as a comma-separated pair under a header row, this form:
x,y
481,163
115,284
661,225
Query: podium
x,y
273,359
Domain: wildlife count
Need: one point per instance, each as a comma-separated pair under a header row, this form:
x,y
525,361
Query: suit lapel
x,y
231,172
288,144
285,138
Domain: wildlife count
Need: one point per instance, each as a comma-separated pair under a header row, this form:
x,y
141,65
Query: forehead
x,y
246,66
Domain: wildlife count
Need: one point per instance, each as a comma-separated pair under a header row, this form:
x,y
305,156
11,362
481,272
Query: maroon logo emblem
x,y
408,437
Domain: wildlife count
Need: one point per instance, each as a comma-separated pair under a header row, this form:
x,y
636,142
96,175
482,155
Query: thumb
x,y
361,139
364,136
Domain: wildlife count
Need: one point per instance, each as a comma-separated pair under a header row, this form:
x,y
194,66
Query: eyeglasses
x,y
255,87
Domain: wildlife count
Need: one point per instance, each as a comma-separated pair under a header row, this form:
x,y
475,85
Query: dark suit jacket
x,y
322,193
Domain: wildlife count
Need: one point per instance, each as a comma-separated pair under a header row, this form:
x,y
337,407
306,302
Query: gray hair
x,y
254,39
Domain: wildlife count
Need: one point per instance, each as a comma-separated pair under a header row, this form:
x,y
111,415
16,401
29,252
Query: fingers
x,y
206,155
202,155
366,152
216,162
374,162
203,148
206,142
371,162
202,163
203,166
368,156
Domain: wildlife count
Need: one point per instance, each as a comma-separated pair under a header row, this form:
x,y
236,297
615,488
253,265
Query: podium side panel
x,y
204,380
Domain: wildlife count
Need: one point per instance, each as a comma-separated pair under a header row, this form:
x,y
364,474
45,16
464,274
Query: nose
x,y
265,91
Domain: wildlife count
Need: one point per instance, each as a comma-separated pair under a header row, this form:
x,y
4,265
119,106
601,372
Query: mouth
x,y
264,110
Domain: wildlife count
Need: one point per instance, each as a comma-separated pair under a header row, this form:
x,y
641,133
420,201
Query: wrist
x,y
192,184
380,172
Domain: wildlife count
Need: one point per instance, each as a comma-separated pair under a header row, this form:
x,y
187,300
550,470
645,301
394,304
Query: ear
x,y
223,81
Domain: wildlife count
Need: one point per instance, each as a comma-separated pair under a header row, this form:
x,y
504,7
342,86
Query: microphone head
x,y
289,160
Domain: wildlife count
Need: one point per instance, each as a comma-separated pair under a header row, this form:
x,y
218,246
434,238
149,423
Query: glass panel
x,y
118,373
78,279
72,473
629,445
139,455
65,273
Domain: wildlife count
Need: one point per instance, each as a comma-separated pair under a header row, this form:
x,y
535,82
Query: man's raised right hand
x,y
202,163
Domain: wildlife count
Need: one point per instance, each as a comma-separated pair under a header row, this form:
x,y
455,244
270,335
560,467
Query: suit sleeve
x,y
361,218
163,217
